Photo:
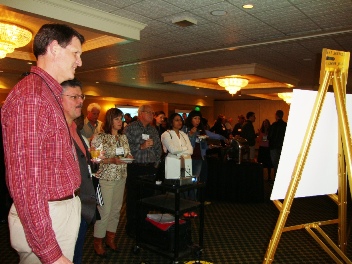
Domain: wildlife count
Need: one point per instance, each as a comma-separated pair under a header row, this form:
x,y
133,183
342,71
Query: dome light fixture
x,y
232,84
11,37
287,97
248,6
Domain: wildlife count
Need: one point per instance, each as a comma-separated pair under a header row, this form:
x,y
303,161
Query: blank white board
x,y
320,174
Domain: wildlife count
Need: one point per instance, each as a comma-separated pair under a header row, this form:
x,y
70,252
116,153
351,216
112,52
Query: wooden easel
x,y
334,70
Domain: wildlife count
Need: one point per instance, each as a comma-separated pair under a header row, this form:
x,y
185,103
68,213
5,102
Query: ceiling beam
x,y
81,15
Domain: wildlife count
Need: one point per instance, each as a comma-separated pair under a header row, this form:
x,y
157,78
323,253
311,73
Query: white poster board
x,y
320,174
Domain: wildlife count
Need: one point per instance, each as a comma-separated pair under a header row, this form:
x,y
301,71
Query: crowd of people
x,y
269,138
58,188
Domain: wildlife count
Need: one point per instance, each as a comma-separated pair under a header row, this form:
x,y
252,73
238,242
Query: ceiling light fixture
x,y
11,37
287,97
232,84
248,6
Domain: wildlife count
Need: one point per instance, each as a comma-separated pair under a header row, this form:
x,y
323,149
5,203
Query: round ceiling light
x,y
248,6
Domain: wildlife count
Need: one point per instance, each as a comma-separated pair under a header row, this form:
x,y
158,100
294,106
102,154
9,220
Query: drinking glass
x,y
95,153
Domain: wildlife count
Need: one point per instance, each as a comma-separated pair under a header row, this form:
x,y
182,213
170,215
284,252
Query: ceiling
x,y
275,43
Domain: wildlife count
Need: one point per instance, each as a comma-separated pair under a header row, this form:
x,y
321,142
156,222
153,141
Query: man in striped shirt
x,y
42,170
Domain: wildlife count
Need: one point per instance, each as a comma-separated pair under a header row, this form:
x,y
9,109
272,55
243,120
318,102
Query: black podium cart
x,y
168,200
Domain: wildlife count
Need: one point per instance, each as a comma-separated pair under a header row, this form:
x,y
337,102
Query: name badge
x,y
120,151
145,136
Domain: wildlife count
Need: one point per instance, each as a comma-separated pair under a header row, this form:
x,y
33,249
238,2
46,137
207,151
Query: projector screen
x,y
133,110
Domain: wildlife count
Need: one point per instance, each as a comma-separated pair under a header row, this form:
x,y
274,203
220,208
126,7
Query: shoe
x,y
99,248
110,241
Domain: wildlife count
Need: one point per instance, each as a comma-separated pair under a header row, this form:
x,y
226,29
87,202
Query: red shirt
x,y
40,157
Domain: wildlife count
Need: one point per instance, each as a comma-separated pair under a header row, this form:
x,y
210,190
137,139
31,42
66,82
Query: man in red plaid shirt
x,y
42,170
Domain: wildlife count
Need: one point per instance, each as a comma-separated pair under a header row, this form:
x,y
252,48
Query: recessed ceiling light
x,y
218,12
197,88
247,6
96,82
29,63
206,96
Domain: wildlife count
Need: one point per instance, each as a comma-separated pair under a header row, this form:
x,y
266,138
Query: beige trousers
x,y
65,217
112,192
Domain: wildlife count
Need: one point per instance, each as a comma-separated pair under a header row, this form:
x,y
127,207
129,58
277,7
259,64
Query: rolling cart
x,y
169,201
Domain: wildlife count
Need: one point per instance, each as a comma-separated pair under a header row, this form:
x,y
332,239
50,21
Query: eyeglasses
x,y
75,97
149,112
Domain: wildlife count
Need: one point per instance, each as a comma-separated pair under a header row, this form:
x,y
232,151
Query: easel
x,y
334,70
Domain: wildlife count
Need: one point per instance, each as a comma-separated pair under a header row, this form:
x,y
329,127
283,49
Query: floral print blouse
x,y
108,142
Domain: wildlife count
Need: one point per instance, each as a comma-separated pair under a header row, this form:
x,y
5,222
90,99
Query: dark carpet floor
x,y
234,233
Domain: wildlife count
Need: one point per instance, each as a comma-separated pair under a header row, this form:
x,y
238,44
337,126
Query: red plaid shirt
x,y
40,157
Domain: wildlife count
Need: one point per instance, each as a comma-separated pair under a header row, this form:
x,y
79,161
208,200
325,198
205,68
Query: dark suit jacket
x,y
87,190
276,134
248,132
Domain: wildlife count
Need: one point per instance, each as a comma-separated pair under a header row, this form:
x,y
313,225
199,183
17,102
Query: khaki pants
x,y
65,217
112,192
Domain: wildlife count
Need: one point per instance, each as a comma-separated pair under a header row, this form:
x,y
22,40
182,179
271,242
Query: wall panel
x,y
263,109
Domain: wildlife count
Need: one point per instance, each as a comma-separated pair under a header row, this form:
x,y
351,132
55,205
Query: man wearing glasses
x,y
72,101
145,147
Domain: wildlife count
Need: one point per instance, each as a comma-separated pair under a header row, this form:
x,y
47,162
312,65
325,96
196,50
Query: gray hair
x,y
93,105
142,108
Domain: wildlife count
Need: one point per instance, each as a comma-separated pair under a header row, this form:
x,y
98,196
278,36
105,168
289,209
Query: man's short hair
x,y
71,83
280,114
250,114
128,114
63,34
93,105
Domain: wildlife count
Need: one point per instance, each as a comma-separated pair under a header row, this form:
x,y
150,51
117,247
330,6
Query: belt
x,y
144,164
76,193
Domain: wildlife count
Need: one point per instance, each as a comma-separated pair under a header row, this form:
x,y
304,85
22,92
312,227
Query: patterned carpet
x,y
234,233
